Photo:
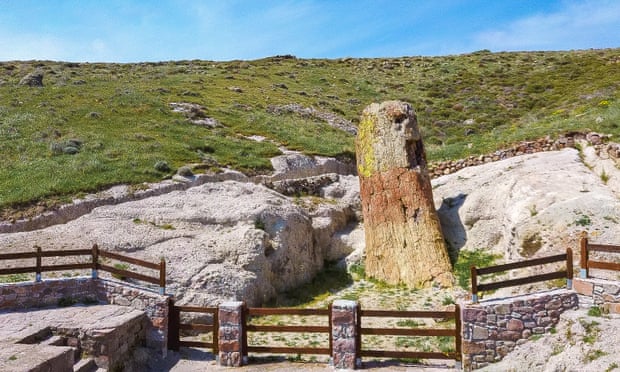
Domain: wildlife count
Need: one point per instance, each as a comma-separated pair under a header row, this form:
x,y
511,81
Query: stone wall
x,y
492,329
598,292
526,147
154,305
52,292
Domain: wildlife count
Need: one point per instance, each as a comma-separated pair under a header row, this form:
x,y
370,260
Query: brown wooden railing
x,y
259,312
95,253
175,326
411,332
587,263
568,273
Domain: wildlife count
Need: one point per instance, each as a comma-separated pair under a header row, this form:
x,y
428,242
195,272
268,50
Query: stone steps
x,y
85,365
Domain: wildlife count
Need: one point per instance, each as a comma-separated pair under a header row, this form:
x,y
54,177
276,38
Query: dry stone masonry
x,y
404,242
493,329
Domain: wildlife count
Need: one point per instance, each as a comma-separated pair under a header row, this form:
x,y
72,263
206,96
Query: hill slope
x,y
94,125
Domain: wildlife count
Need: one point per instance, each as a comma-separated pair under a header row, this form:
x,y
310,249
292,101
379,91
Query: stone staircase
x,y
85,345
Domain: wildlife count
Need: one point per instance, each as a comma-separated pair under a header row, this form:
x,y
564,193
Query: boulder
x,y
33,79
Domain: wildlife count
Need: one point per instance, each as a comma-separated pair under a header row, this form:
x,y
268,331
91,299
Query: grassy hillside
x,y
93,125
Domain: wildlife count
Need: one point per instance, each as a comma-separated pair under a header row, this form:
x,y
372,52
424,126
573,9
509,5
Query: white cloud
x,y
579,25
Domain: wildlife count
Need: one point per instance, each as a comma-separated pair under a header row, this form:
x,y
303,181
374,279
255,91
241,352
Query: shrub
x,y
185,171
162,166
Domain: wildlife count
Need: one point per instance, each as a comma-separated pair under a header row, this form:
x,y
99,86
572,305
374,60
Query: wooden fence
x,y
568,273
95,253
175,326
587,263
261,312
410,332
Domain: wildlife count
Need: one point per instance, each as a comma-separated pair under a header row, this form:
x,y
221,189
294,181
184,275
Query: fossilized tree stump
x,y
404,242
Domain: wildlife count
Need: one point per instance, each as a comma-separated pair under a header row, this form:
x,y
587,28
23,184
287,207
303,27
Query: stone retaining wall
x,y
24,295
52,292
599,292
491,330
526,147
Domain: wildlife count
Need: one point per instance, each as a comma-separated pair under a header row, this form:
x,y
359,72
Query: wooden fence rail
x,y
259,312
586,263
411,332
175,326
568,273
94,264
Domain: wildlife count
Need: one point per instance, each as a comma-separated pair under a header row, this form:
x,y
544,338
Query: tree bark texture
x,y
404,242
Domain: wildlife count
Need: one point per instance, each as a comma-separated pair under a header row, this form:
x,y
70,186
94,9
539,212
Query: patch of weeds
x,y
611,367
13,357
595,311
327,281
447,300
584,220
535,337
409,323
259,224
120,266
358,271
604,176
557,349
533,211
592,331
553,331
477,257
594,354
14,278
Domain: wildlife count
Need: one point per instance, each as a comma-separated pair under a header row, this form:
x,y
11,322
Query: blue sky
x,y
161,30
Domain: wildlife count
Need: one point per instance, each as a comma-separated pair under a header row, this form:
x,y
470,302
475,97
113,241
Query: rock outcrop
x,y
33,79
222,241
404,242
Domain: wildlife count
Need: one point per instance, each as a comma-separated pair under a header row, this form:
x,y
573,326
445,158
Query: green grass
x,y
94,125
466,259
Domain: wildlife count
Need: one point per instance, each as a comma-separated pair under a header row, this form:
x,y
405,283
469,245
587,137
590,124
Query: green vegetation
x,y
326,282
94,125
15,278
120,266
595,311
466,259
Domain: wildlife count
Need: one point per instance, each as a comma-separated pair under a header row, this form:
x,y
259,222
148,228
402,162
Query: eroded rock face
x,y
222,241
404,243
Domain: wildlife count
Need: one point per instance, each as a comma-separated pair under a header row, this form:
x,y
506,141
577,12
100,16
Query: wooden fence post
x,y
474,284
583,272
174,321
95,254
38,264
358,337
458,335
162,277
331,339
569,268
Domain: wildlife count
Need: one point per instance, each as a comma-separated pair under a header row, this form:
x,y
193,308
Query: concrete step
x,y
85,365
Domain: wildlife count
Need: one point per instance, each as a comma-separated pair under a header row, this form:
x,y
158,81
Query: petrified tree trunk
x,y
404,242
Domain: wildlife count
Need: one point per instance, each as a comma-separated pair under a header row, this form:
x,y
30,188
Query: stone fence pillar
x,y
230,333
344,334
